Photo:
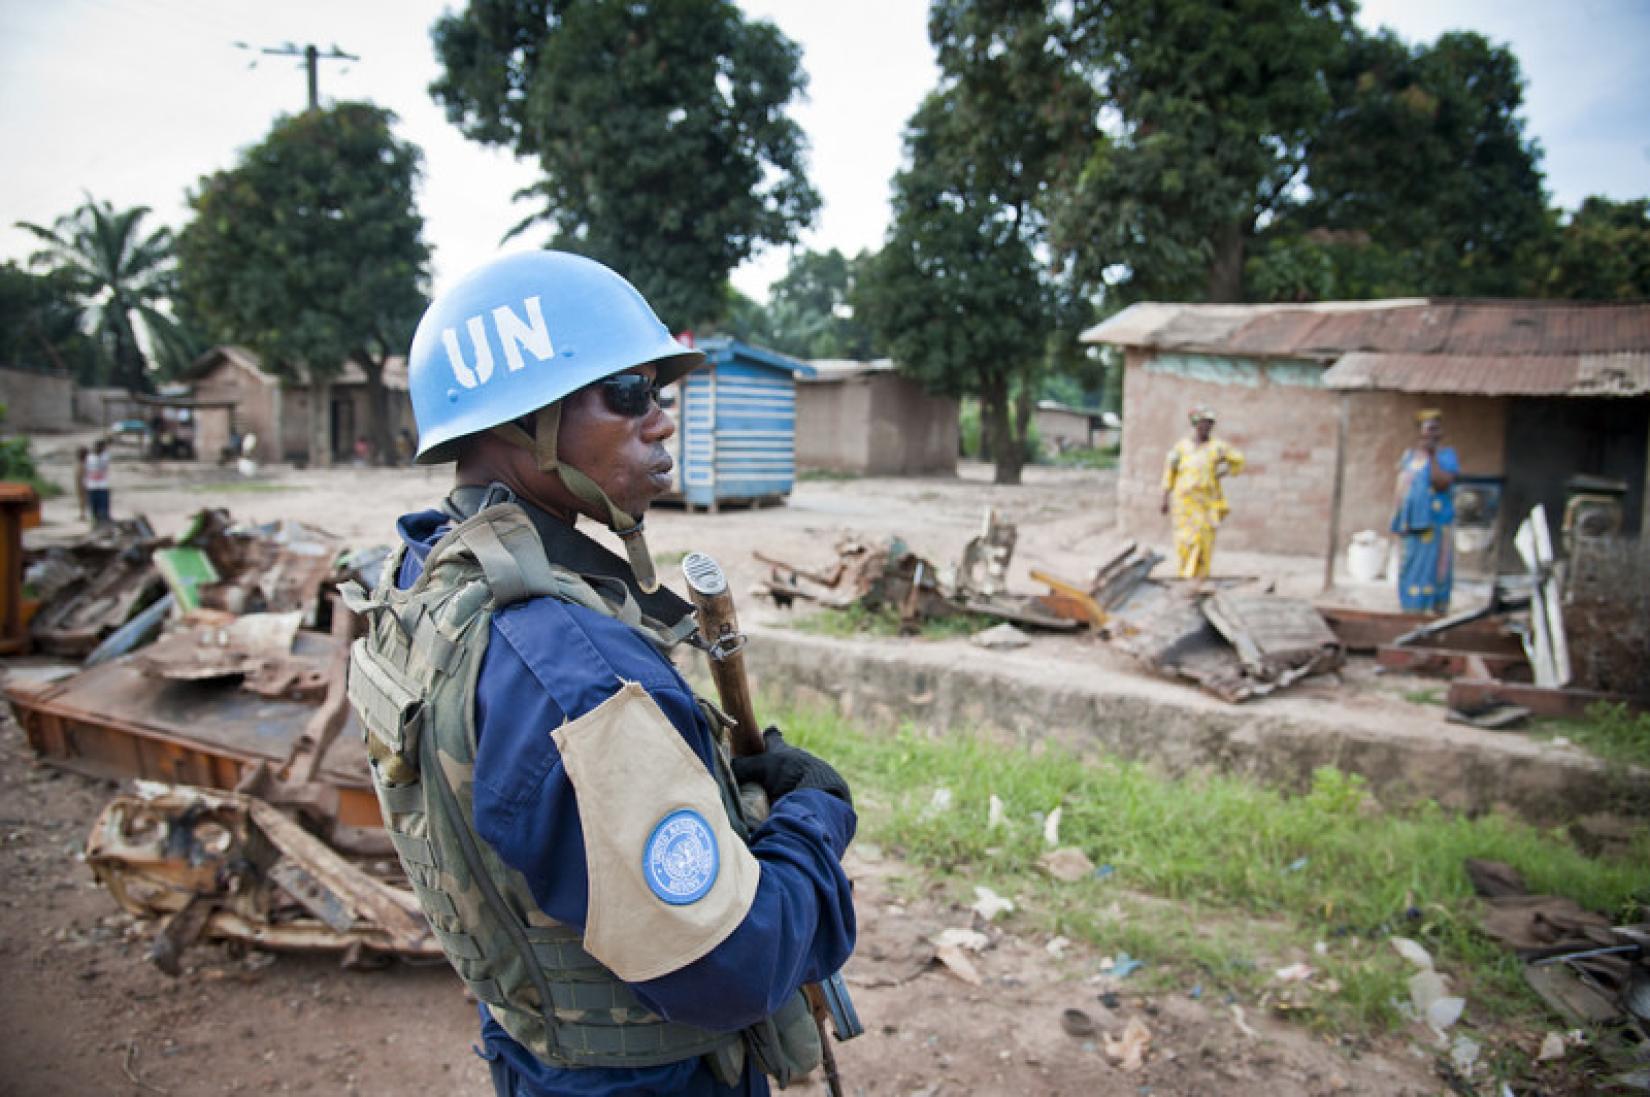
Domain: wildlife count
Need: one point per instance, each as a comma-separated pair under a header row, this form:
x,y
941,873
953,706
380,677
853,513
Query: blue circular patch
x,y
681,859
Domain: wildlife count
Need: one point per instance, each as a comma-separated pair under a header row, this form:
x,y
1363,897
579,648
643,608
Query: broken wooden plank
x,y
1467,694
1451,662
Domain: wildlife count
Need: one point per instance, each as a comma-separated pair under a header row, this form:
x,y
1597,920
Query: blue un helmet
x,y
516,336
521,333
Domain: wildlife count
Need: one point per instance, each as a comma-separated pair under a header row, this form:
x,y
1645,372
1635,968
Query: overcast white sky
x,y
133,100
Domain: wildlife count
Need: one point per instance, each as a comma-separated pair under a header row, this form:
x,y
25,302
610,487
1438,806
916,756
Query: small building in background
x,y
278,411
1537,396
736,427
863,418
1062,427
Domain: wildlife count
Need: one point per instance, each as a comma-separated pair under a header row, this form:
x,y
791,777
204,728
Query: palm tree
x,y
120,277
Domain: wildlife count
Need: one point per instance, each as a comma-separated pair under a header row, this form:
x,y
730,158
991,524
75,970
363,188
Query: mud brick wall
x,y
1284,421
36,400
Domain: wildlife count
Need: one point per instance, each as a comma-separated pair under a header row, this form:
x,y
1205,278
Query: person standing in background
x,y
1191,490
96,476
1424,517
80,456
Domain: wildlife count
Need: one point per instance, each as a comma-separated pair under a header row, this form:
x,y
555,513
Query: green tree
x,y
310,251
121,278
661,130
1421,181
40,325
811,313
1603,252
1209,110
959,294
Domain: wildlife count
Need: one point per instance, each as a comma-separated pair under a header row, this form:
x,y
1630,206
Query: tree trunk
x,y
1226,268
378,409
320,424
1007,456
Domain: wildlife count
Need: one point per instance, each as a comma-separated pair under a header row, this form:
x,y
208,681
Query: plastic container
x,y
1366,556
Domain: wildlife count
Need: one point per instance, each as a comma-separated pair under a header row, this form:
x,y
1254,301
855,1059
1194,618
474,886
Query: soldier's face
x,y
623,453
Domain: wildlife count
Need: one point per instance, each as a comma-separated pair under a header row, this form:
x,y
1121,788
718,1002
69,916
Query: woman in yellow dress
x,y
1191,485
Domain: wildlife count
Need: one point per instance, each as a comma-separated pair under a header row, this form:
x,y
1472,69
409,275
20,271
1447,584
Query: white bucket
x,y
1365,556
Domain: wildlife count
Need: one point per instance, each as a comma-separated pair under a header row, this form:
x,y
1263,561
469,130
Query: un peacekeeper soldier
x,y
556,793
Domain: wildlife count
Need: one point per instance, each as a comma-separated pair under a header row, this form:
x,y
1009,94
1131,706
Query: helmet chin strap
x,y
546,425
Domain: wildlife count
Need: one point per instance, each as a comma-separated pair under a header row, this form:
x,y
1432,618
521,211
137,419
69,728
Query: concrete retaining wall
x,y
1279,741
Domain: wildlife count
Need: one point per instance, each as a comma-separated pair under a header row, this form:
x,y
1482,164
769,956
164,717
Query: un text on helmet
x,y
514,333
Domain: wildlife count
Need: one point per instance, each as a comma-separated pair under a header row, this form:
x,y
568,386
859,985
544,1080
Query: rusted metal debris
x,y
1237,644
256,649
227,866
873,576
89,589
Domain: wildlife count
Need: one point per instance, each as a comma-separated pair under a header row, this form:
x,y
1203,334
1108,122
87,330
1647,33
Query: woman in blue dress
x,y
1424,518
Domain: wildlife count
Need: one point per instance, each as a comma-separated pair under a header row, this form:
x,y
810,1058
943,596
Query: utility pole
x,y
312,59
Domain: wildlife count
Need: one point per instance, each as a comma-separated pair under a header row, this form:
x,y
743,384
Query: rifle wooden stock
x,y
719,625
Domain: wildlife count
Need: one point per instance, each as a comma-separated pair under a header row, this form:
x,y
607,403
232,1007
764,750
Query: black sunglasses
x,y
631,395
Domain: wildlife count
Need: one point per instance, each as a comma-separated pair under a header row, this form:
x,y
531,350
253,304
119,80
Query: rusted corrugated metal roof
x,y
1416,344
1495,374
1326,330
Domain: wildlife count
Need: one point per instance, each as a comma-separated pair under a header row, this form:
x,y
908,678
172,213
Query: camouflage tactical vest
x,y
412,683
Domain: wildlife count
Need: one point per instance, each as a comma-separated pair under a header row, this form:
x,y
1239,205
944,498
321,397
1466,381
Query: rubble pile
x,y
213,672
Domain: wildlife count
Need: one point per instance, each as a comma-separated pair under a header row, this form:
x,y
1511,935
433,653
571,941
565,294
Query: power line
x,y
312,59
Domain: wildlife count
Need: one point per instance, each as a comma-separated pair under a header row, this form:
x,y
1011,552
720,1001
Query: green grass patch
x,y
857,620
1086,458
1257,876
811,475
1610,731
1432,695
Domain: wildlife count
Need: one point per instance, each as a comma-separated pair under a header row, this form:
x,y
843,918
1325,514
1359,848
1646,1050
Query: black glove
x,y
784,768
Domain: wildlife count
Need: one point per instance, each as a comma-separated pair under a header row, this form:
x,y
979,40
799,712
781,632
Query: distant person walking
x,y
96,476
80,456
1192,492
1424,516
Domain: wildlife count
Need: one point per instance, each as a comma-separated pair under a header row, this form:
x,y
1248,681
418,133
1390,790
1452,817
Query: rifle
x,y
725,644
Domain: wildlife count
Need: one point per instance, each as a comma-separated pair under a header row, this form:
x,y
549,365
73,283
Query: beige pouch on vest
x,y
669,879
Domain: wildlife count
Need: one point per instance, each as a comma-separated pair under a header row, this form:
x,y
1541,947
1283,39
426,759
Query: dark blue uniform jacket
x,y
548,662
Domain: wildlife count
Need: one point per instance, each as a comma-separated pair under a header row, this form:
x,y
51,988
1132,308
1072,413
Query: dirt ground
x,y
83,1012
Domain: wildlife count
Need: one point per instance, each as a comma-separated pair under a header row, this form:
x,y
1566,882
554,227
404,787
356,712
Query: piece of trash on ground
x,y
1068,864
1051,829
958,964
988,904
1076,1023
1003,637
1412,952
970,940
996,814
1552,1047
1129,1050
1057,947
1294,973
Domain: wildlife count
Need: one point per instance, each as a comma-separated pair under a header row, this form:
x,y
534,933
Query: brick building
x,y
279,411
1533,393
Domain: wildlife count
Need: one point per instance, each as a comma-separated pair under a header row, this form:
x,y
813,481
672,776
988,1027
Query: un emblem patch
x,y
681,859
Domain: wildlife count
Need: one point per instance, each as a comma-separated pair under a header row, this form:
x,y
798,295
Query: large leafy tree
x,y
1603,252
661,130
1420,178
311,250
810,313
40,325
1209,110
121,278
960,294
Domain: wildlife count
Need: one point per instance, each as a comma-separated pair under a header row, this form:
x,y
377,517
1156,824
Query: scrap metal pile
x,y
1553,641
212,670
1238,641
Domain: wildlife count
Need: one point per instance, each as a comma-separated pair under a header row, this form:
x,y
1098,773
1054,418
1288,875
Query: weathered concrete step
x,y
1279,740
